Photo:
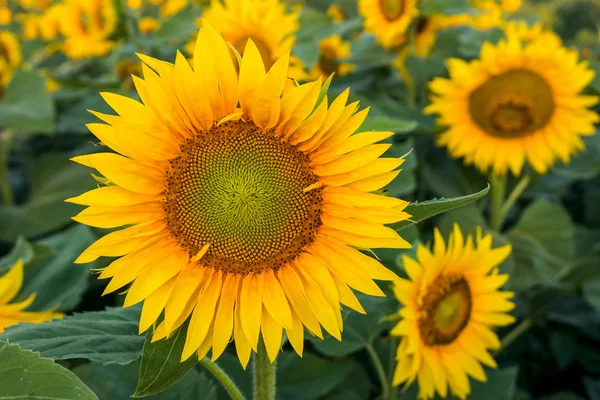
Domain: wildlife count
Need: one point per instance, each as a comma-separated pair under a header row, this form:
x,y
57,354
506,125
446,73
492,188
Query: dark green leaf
x,y
500,385
21,250
107,337
116,382
309,377
427,209
382,123
161,365
26,106
25,375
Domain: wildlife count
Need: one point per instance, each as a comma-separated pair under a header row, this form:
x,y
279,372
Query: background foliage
x,y
552,352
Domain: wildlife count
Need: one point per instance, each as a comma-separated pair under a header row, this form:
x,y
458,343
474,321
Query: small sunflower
x,y
87,26
516,103
388,20
10,57
50,21
266,22
529,33
148,25
246,219
450,303
336,13
12,314
331,51
510,5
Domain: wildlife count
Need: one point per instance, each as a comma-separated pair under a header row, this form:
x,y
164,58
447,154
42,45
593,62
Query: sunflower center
x,y
513,104
240,191
445,310
263,48
392,9
328,60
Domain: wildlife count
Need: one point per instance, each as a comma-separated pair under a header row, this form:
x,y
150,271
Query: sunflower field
x,y
300,199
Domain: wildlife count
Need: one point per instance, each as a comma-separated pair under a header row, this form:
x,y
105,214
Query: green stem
x,y
498,186
264,374
391,368
513,197
6,140
380,371
223,378
514,334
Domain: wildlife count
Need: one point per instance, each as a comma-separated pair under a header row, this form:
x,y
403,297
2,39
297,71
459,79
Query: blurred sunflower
x,y
5,15
529,33
450,303
11,314
35,4
172,7
10,57
517,103
50,20
336,13
247,218
388,20
87,26
331,51
148,25
266,22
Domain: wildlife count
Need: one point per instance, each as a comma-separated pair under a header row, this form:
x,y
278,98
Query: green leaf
x,y
107,337
359,329
591,292
21,250
161,365
383,123
427,209
26,106
355,386
500,385
431,7
119,381
25,375
309,377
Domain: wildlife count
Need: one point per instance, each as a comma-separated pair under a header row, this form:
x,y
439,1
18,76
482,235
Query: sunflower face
x,y
388,20
451,302
12,312
87,26
332,50
517,103
10,58
243,210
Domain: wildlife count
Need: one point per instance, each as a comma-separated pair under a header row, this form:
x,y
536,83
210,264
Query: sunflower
x,y
87,26
148,25
246,219
10,57
331,51
11,314
388,20
336,13
529,33
49,24
450,303
266,22
518,102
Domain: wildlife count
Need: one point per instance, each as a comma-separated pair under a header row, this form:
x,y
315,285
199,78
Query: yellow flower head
x,y
50,21
36,4
336,13
511,5
134,4
148,25
331,51
10,57
266,22
12,314
450,303
388,20
5,15
516,103
243,209
529,33
87,26
172,7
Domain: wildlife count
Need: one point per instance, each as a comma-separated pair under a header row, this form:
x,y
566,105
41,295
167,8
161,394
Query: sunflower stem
x,y
264,374
6,140
498,184
391,366
223,378
380,371
513,197
514,334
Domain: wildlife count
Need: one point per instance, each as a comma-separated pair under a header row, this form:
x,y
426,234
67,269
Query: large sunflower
x,y
516,103
450,303
11,314
247,219
388,20
266,22
87,26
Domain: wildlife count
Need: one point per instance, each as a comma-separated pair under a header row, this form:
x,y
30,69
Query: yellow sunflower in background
x,y
11,314
331,51
148,25
516,103
87,26
450,302
529,33
266,22
246,219
388,20
10,58
50,20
